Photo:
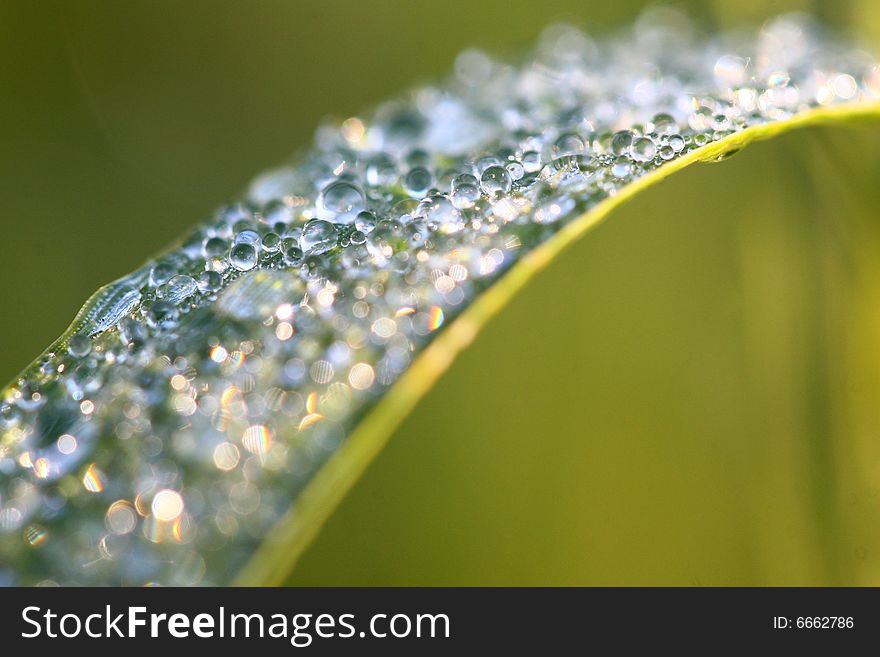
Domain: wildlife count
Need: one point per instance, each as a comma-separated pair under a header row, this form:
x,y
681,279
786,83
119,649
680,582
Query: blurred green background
x,y
689,396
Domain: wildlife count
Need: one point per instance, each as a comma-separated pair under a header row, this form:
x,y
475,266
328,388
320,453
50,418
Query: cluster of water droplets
x,y
165,433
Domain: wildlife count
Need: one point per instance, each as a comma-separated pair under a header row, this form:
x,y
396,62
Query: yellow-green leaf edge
x,y
280,550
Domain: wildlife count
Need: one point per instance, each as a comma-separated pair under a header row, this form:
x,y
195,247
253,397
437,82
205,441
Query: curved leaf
x,y
207,412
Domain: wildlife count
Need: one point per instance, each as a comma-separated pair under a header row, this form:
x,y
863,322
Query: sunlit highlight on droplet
x,y
435,318
167,505
257,439
218,354
92,480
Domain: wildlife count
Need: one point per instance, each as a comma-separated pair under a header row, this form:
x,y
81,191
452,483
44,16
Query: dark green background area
x,y
123,122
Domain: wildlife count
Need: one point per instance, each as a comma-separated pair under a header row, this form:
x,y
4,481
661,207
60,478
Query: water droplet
x,y
568,144
621,142
271,242
495,181
293,256
318,237
676,142
162,315
365,222
439,211
418,181
215,247
243,256
248,236
381,171
339,202
531,161
179,288
622,167
209,281
465,191
664,124
515,169
643,149
161,274
79,345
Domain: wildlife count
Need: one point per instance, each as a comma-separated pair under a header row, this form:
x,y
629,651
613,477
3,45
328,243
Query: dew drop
x,y
161,274
365,222
531,161
465,191
271,242
621,142
676,142
622,167
79,345
179,288
215,247
381,171
339,202
248,236
568,144
515,169
643,149
418,181
318,237
664,124
293,256
440,212
209,281
243,256
162,315
495,181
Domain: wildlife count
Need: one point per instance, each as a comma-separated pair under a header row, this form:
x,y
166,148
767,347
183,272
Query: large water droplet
x,y
365,222
111,306
568,144
271,242
465,191
439,211
495,181
643,149
248,236
215,247
622,167
621,142
664,124
418,181
179,288
339,202
243,256
209,281
161,274
676,142
79,345
318,237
